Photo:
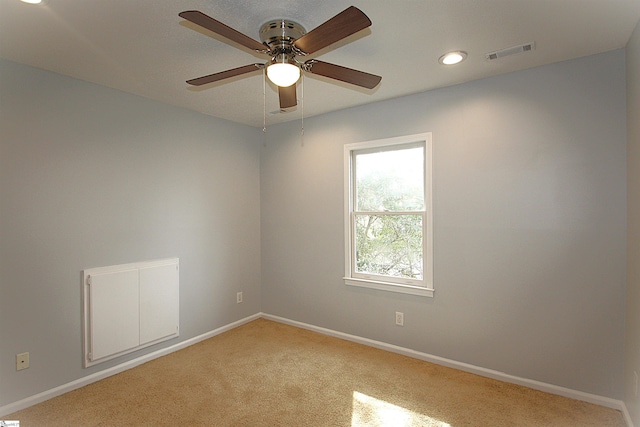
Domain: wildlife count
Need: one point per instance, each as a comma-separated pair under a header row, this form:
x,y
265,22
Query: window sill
x,y
390,287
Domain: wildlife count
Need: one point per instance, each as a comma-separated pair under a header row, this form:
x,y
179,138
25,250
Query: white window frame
x,y
422,287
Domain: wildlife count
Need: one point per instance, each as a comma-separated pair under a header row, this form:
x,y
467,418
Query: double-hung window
x,y
388,215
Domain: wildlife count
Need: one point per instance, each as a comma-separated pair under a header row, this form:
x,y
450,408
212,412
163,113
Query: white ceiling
x,y
143,47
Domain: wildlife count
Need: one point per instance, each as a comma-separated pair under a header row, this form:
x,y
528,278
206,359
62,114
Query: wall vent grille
x,y
527,47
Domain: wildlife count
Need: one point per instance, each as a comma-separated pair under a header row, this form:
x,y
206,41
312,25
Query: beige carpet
x,y
269,374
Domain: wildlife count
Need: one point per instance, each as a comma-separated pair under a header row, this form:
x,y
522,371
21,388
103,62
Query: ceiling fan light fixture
x,y
453,58
283,71
284,40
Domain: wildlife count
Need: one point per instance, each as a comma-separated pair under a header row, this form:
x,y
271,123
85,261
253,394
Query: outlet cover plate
x,y
22,361
399,318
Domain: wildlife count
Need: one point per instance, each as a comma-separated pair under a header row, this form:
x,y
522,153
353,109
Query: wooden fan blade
x,y
287,96
347,22
218,27
344,74
225,74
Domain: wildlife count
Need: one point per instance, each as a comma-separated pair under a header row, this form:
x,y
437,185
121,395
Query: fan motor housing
x,y
279,34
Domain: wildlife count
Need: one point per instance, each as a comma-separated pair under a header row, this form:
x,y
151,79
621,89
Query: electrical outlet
x,y
22,361
399,318
239,297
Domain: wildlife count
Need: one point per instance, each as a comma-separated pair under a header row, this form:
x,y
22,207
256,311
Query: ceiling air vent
x,y
510,51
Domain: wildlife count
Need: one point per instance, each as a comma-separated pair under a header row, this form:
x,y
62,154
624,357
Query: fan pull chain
x,y
302,107
264,106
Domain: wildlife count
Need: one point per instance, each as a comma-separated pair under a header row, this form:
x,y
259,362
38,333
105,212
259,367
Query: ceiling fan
x,y
285,40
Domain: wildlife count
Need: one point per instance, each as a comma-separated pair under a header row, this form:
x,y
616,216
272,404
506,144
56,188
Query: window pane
x,y
389,245
390,180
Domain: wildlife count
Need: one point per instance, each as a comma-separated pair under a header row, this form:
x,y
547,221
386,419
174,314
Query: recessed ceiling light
x,y
452,58
32,1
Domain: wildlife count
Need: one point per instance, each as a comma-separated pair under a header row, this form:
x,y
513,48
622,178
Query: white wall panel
x,y
128,307
158,302
114,313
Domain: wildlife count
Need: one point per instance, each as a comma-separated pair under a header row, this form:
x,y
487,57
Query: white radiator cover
x,y
128,307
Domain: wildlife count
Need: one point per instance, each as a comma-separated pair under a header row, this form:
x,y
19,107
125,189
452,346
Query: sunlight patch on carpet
x,y
369,411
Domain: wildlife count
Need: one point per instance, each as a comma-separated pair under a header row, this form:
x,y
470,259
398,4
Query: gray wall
x,y
92,177
529,218
632,355
529,200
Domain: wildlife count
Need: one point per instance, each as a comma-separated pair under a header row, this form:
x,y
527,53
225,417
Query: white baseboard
x,y
81,382
489,373
627,416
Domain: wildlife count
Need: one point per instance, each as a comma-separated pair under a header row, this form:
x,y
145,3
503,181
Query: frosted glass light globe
x,y
283,74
